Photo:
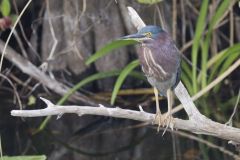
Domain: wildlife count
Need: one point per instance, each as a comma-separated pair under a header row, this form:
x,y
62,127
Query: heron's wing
x,y
153,68
168,56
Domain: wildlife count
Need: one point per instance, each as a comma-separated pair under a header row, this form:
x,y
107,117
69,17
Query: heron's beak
x,y
136,37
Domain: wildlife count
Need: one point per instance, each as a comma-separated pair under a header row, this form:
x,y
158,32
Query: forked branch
x,y
202,126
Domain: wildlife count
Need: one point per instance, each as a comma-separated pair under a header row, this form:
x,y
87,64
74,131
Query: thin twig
x,y
23,33
231,36
183,19
1,154
20,44
55,40
229,122
10,35
14,90
209,144
162,21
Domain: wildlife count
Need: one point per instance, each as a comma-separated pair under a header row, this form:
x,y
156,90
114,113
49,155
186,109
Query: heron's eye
x,y
148,34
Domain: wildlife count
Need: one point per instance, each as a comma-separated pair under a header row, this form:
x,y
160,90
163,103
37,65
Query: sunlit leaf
x,y
108,48
82,83
227,53
226,64
125,72
186,68
5,8
186,76
217,17
196,41
87,80
31,100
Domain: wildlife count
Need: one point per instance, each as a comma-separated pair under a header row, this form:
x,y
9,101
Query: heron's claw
x,y
168,121
158,120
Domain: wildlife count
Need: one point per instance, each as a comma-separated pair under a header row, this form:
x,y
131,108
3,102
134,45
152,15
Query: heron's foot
x,y
168,122
158,120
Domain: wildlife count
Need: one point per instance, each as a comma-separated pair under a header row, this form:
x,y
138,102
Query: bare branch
x,y
229,122
30,69
202,125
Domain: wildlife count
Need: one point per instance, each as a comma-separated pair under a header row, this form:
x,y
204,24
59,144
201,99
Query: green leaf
x,y
125,72
196,41
221,58
226,64
95,77
187,69
220,12
87,80
216,58
13,17
149,1
42,157
187,82
5,8
109,47
31,100
186,76
83,82
80,84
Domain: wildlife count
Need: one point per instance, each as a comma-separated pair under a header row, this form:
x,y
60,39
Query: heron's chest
x,y
153,64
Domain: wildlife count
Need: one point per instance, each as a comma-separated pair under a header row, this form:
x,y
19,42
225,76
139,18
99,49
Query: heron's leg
x,y
170,101
169,119
158,116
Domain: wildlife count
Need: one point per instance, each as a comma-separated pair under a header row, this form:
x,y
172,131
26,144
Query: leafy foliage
x,y
5,8
124,73
196,42
108,48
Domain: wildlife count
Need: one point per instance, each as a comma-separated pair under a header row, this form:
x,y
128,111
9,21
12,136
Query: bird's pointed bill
x,y
137,37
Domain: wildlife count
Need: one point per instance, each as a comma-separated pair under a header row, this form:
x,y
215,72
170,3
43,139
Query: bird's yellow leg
x,y
158,116
168,119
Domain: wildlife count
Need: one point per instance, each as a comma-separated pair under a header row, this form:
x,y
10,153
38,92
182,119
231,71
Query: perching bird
x,y
160,60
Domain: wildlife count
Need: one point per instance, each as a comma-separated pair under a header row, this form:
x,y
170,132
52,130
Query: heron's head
x,y
146,33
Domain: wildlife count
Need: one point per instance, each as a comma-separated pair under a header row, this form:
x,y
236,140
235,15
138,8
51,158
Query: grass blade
x,y
187,82
85,81
125,72
80,84
196,41
220,13
108,48
221,57
186,69
226,64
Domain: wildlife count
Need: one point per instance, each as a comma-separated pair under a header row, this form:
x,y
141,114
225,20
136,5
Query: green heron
x,y
160,61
